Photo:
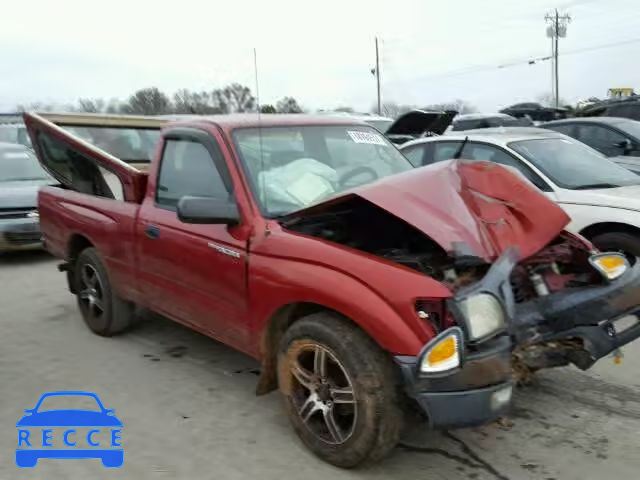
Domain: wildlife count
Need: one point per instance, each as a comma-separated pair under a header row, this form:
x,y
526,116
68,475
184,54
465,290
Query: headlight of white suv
x,y
484,315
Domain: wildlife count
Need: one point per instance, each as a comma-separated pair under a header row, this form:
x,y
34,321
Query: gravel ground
x,y
189,410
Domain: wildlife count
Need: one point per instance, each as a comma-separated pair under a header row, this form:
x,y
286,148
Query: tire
x,y
359,395
627,243
102,310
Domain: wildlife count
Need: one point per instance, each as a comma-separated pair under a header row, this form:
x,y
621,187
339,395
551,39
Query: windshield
x,y
293,167
632,127
573,165
18,165
127,144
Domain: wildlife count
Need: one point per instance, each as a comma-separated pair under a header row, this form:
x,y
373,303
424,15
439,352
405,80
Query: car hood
x,y
471,209
622,197
69,418
22,194
417,122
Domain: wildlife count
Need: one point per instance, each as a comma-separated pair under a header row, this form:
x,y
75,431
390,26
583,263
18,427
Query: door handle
x,y
152,231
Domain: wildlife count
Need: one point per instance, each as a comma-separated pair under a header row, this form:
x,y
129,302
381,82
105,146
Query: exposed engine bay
x,y
359,224
559,299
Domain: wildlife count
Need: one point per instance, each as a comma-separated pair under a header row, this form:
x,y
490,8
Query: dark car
x,y
20,178
472,121
535,112
618,138
619,107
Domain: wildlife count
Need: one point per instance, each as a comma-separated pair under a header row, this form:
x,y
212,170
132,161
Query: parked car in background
x,y
20,178
601,197
628,107
12,129
617,138
472,121
535,112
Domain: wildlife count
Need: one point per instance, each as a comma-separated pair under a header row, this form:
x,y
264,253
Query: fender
x,y
583,216
376,294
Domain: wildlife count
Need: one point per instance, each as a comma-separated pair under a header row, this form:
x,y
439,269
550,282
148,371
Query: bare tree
x,y
460,106
91,105
288,105
234,98
548,100
147,101
393,110
199,103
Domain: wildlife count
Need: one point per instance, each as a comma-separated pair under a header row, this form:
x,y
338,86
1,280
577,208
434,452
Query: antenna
x,y
261,189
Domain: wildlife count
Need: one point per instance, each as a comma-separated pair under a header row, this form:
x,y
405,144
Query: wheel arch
x,y
606,227
279,323
76,244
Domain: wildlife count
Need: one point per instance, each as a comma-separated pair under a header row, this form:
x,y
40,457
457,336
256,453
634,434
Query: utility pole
x,y
376,71
557,29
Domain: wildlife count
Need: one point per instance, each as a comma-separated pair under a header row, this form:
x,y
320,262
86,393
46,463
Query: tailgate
x,y
103,155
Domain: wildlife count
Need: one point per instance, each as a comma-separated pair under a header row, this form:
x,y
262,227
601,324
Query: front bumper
x,y
476,393
20,234
603,318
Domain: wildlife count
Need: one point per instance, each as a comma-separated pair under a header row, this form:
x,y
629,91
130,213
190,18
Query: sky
x,y
319,52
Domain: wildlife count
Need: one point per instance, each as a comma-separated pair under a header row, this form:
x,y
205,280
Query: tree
x,y
199,103
460,106
268,108
234,98
147,101
548,100
344,109
393,110
288,105
91,105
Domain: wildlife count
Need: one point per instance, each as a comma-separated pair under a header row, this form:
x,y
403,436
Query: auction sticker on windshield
x,y
366,137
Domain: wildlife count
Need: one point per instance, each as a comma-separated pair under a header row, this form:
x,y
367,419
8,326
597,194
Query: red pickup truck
x,y
364,287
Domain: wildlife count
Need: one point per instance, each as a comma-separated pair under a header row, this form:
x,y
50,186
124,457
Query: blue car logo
x,y
36,432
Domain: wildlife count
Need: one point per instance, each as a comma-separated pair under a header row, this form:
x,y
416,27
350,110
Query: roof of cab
x,y
236,120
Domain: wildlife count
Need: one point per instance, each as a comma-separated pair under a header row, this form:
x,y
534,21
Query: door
x,y
492,153
601,138
193,273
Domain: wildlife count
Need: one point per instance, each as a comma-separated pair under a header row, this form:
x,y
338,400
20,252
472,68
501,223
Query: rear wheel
x,y
622,242
103,311
340,390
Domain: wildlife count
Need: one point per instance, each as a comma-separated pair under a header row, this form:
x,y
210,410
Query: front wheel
x,y
622,242
340,390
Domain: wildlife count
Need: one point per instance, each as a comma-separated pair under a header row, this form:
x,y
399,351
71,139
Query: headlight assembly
x,y
483,315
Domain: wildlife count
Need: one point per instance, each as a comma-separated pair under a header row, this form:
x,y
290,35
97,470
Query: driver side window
x,y
187,168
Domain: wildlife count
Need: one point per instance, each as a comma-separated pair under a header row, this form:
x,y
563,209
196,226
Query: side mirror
x,y
208,210
626,145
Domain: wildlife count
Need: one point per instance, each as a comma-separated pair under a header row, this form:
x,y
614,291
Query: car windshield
x,y
69,402
632,127
127,144
573,165
20,165
293,167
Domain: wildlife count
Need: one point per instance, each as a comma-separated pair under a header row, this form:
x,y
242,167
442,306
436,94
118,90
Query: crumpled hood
x,y
627,198
22,194
469,208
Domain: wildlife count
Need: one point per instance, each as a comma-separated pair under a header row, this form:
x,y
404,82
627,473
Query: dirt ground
x,y
189,410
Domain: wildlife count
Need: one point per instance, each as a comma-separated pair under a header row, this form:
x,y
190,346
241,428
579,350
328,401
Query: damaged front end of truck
x,y
500,246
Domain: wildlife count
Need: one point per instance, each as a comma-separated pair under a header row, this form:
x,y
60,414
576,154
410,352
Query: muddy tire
x,y
104,312
627,243
340,390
